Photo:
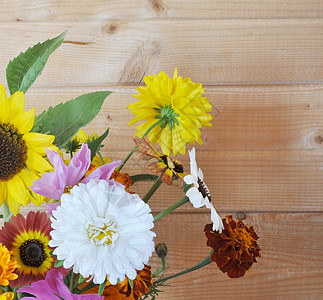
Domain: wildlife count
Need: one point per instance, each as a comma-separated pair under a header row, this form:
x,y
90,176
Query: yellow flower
x,y
177,105
21,152
7,266
7,296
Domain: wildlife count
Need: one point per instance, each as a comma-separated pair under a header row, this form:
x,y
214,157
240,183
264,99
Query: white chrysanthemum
x,y
199,193
101,230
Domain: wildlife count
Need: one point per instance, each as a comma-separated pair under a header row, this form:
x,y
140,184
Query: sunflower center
x,y
13,151
242,239
32,253
102,231
172,164
203,189
167,116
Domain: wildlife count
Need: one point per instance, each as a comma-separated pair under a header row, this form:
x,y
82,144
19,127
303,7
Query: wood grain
x,y
290,266
245,118
229,52
99,10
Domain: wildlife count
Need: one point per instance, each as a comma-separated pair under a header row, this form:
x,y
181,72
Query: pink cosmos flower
x,y
52,287
53,184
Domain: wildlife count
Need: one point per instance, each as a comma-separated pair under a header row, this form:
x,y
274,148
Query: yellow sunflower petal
x,y
17,194
25,121
4,107
17,105
35,162
3,193
38,141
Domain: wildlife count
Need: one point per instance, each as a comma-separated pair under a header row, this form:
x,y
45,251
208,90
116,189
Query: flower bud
x,y
161,250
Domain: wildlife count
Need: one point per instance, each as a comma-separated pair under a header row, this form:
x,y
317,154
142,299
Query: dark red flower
x,y
235,249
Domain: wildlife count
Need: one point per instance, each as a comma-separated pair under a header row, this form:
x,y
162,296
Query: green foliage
x,y
58,263
65,119
102,287
23,70
144,177
95,144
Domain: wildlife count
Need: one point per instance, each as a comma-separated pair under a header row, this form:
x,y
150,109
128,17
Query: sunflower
x,y
176,104
7,266
159,163
21,152
28,240
235,249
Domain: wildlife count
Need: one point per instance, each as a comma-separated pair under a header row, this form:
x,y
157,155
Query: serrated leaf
x,y
65,119
95,144
58,263
102,287
23,70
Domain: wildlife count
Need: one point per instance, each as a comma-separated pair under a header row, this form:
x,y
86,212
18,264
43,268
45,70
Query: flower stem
x,y
171,208
199,265
153,189
7,214
72,282
132,151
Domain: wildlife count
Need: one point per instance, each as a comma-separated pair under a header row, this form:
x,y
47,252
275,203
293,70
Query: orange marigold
x,y
235,249
7,266
123,290
124,179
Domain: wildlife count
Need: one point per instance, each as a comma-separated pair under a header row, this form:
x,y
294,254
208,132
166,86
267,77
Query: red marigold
x,y
235,249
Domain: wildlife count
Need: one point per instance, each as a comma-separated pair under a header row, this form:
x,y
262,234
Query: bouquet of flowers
x,y
96,237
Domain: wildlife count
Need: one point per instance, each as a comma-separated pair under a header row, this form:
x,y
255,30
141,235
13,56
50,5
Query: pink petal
x,y
78,165
102,173
51,207
52,184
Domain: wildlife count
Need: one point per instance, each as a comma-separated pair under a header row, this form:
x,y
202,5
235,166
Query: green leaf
x,y
95,144
23,70
102,287
144,177
130,283
65,119
81,279
58,263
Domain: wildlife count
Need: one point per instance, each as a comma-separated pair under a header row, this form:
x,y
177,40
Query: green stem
x,y
7,214
199,265
132,152
100,155
171,208
72,282
153,189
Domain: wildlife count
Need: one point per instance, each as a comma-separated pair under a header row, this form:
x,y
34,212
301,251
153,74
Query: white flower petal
x,y
195,197
101,230
189,179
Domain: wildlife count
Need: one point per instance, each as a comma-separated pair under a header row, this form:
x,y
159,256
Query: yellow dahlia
x,y
7,266
21,152
176,104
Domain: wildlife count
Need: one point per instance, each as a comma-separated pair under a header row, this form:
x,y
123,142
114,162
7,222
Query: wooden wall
x,y
261,63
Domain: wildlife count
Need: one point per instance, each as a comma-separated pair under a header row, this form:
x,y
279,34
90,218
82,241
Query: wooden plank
x,y
245,118
98,10
230,52
246,181
290,265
